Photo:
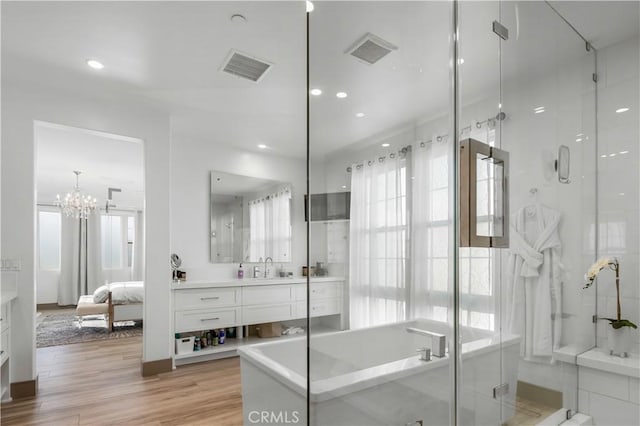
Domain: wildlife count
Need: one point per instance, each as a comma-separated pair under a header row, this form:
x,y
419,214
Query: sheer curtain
x,y
430,231
378,252
80,263
270,227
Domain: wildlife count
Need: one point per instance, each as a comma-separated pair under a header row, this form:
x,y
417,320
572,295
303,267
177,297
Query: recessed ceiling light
x,y
603,156
621,110
96,65
384,145
612,155
579,140
538,110
262,146
316,92
310,6
360,114
624,152
620,193
341,95
344,186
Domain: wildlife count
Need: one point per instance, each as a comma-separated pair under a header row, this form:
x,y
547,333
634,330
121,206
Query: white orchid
x,y
598,266
590,276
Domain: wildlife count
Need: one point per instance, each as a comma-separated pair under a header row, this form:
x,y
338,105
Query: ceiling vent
x,y
245,66
370,49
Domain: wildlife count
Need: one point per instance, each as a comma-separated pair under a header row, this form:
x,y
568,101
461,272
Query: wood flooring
x,y
100,384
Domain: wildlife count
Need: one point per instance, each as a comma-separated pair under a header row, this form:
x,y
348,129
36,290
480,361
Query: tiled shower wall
x,y
618,180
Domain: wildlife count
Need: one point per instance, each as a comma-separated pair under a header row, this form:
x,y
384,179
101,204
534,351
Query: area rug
x,y
64,329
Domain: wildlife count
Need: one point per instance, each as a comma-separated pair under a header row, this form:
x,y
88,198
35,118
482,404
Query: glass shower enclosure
x,y
451,214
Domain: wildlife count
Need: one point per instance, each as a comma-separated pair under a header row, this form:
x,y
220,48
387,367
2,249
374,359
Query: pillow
x,y
101,294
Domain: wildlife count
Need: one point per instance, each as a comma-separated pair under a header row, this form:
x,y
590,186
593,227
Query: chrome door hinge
x,y
588,46
501,30
594,319
500,390
594,76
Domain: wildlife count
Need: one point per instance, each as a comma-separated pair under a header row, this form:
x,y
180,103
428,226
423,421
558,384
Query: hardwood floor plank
x,y
100,384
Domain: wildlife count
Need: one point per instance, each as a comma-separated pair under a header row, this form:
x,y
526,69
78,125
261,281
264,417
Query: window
x,y
477,272
49,234
111,237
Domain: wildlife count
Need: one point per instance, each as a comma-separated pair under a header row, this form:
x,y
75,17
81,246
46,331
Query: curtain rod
x,y
402,151
439,138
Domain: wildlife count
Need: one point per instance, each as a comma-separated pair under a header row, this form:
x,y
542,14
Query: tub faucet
x,y
438,341
266,271
425,354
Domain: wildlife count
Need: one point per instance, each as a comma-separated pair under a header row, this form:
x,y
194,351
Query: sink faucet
x,y
266,271
438,341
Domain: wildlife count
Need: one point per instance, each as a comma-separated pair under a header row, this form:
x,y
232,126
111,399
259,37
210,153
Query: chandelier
x,y
76,204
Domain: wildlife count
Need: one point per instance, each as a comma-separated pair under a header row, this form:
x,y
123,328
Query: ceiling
x,y
168,54
106,161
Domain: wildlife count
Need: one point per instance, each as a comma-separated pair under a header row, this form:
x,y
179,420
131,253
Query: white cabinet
x,y
202,306
5,343
206,298
206,319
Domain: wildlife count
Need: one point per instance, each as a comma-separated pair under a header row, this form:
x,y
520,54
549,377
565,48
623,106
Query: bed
x,y
118,301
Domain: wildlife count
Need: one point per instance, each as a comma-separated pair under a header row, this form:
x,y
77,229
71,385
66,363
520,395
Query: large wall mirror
x,y
250,219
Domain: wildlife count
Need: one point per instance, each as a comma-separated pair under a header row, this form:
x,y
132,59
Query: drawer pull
x,y
209,319
210,298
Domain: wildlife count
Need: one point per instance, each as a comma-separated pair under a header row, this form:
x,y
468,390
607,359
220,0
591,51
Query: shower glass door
x,y
526,87
381,145
549,97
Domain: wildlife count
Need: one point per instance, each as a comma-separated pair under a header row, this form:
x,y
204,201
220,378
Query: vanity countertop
x,y
249,282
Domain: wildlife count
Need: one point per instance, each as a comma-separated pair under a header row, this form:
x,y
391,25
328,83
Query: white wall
x,y
21,105
619,180
191,162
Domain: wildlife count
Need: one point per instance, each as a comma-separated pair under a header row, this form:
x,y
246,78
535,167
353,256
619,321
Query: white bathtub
x,y
373,376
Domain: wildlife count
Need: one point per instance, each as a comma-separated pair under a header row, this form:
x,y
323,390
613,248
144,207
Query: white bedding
x,y
127,292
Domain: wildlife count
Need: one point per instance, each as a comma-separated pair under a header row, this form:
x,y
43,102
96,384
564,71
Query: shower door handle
x,y
484,195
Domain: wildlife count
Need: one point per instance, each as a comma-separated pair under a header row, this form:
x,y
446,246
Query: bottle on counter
x,y
196,344
240,272
215,338
221,336
204,342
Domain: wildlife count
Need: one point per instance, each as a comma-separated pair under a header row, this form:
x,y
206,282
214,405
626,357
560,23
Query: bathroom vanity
x,y
208,305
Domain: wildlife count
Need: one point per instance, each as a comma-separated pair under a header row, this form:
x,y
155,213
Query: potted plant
x,y
619,335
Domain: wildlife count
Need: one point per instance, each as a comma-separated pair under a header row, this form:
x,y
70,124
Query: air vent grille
x,y
370,49
245,66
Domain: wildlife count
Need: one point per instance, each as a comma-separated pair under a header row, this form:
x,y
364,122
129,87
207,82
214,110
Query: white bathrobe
x,y
534,272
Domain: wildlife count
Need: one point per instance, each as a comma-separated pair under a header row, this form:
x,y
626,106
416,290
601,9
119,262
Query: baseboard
x,y
24,389
546,396
151,368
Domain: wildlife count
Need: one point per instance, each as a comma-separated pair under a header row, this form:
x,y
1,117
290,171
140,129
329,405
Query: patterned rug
x,y
64,329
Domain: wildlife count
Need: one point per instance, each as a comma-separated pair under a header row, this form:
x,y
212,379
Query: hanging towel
x,y
534,272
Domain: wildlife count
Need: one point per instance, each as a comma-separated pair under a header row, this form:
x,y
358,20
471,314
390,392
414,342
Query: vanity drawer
x,y
206,298
269,313
206,319
267,294
4,345
319,308
319,291
4,317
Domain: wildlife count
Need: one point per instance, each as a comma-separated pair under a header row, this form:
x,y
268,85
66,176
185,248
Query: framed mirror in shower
x,y
250,219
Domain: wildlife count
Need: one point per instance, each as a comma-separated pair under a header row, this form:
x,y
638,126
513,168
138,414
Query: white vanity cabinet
x,y
5,343
204,305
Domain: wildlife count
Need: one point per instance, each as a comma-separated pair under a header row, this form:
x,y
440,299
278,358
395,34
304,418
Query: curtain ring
x,y
349,169
439,138
381,159
370,162
392,155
